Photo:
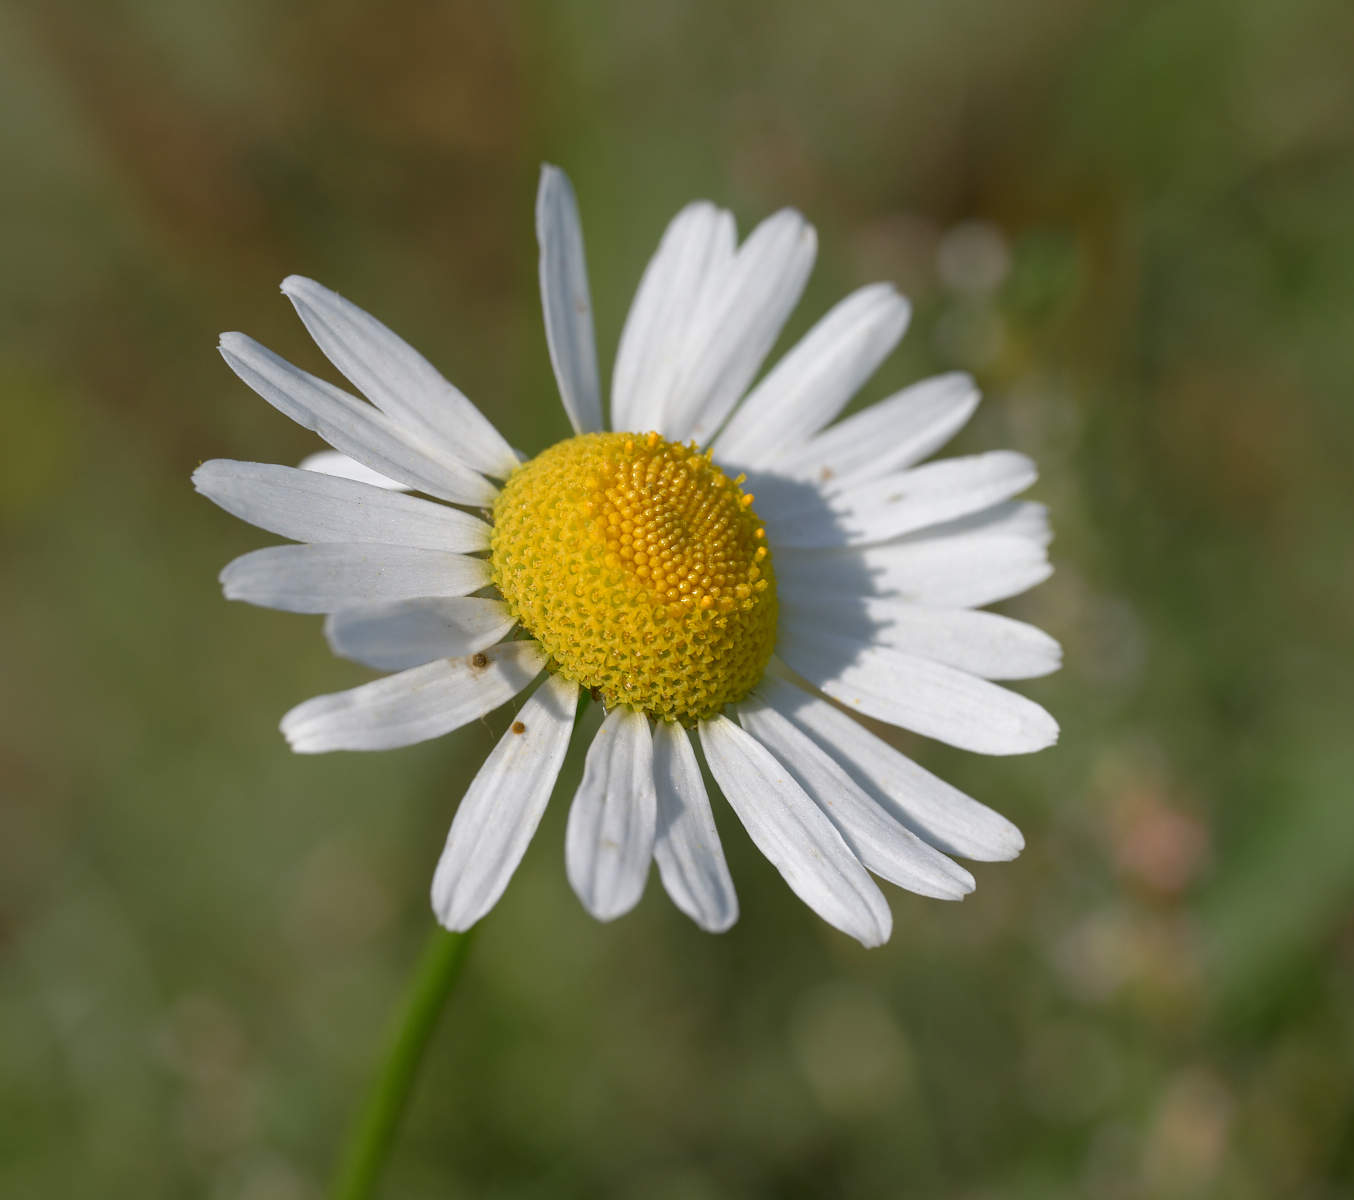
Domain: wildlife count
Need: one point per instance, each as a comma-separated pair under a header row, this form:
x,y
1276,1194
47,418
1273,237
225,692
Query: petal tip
x,y
443,902
1004,845
876,937
294,730
1052,732
553,179
202,475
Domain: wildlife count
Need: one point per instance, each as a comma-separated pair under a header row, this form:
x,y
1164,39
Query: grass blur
x,y
1131,220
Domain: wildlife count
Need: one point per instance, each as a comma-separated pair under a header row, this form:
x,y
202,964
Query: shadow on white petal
x,y
850,627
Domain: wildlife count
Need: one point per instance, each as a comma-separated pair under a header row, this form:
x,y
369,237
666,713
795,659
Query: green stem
x,y
373,1133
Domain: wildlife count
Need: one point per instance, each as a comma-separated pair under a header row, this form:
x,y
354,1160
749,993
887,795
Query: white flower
x,y
632,564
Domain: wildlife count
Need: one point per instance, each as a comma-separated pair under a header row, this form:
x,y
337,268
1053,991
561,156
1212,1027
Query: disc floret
x,y
642,570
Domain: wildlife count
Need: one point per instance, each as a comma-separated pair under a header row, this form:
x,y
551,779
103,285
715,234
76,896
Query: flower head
x,y
725,564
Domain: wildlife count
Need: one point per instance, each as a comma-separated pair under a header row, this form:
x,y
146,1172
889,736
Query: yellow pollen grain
x,y
641,569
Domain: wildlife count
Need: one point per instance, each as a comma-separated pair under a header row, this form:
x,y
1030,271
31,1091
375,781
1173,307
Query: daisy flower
x,y
727,568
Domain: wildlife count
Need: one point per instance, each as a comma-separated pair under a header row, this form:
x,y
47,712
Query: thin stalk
x,y
373,1133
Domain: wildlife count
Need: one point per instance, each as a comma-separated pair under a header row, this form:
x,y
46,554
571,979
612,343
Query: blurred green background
x,y
1133,221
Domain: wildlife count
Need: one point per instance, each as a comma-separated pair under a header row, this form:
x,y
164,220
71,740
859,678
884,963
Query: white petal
x,y
879,840
686,846
904,429
1025,519
397,378
876,510
791,831
609,840
328,578
309,507
502,808
696,249
887,507
927,697
353,426
814,381
984,644
414,705
927,805
331,462
566,300
954,572
409,633
736,328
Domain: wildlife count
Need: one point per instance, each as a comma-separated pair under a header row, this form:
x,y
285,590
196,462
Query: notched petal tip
x,y
1040,732
292,728
878,936
294,284
1003,844
722,925
1041,726
303,291
203,475
1055,658
228,578
442,898
453,926
964,883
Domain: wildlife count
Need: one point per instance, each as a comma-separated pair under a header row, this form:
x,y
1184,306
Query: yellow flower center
x,y
641,569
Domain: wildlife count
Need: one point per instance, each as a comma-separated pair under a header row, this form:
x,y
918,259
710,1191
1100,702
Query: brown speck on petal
x,y
479,660
518,727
